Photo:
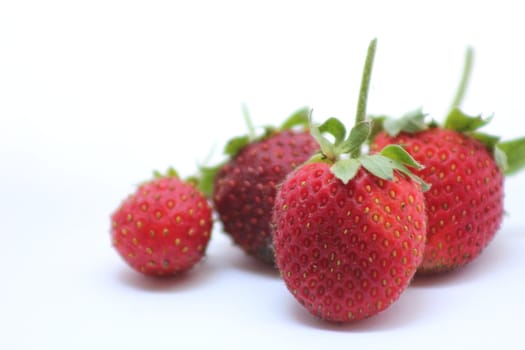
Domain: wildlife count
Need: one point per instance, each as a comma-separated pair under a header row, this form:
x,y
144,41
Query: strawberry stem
x,y
248,121
465,77
363,92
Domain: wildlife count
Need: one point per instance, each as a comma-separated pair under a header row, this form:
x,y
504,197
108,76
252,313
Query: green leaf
x,y
327,148
379,165
399,154
157,174
358,135
335,128
171,172
514,151
410,122
298,118
433,124
501,159
345,169
383,167
424,186
377,125
459,121
207,179
318,157
236,144
490,141
268,131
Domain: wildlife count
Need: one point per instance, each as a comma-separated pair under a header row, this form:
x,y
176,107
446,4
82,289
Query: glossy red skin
x,y
163,228
347,252
245,188
464,205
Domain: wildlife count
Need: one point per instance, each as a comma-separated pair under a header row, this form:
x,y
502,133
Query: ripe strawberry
x,y
244,188
349,231
465,204
163,228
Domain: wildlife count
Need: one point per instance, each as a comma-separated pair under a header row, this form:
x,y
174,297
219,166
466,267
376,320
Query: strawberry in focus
x,y
347,251
244,188
350,228
164,227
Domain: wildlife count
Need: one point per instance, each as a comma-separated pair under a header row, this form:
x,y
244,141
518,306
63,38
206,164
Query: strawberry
x,y
164,227
466,170
244,188
349,228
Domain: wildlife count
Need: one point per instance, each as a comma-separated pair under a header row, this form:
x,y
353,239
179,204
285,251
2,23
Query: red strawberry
x,y
347,251
244,189
465,203
349,230
163,228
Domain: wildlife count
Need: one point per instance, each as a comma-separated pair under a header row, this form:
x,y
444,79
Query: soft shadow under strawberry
x,y
491,259
187,280
250,264
408,309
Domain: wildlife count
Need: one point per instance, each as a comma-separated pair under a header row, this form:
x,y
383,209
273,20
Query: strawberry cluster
x,y
348,231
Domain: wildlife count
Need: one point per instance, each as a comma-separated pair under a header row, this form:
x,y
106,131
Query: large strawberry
x,y
349,228
466,170
164,227
244,188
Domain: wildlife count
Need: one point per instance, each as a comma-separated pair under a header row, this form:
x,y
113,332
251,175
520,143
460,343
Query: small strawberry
x,y
466,170
164,227
244,188
349,228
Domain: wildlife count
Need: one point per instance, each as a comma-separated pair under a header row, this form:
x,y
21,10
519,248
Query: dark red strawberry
x,y
465,169
349,228
244,189
163,228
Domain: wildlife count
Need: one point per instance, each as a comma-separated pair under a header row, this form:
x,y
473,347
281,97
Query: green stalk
x,y
465,77
248,121
363,92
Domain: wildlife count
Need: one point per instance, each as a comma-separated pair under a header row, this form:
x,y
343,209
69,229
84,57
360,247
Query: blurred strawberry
x,y
164,227
245,186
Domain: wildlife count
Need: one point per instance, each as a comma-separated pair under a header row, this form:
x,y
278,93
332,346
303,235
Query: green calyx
x,y
514,151
298,119
411,122
414,121
171,172
200,182
509,155
207,174
341,145
345,161
342,150
204,182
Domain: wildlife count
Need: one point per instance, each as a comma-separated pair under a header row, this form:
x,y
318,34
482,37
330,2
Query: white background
x,y
94,95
